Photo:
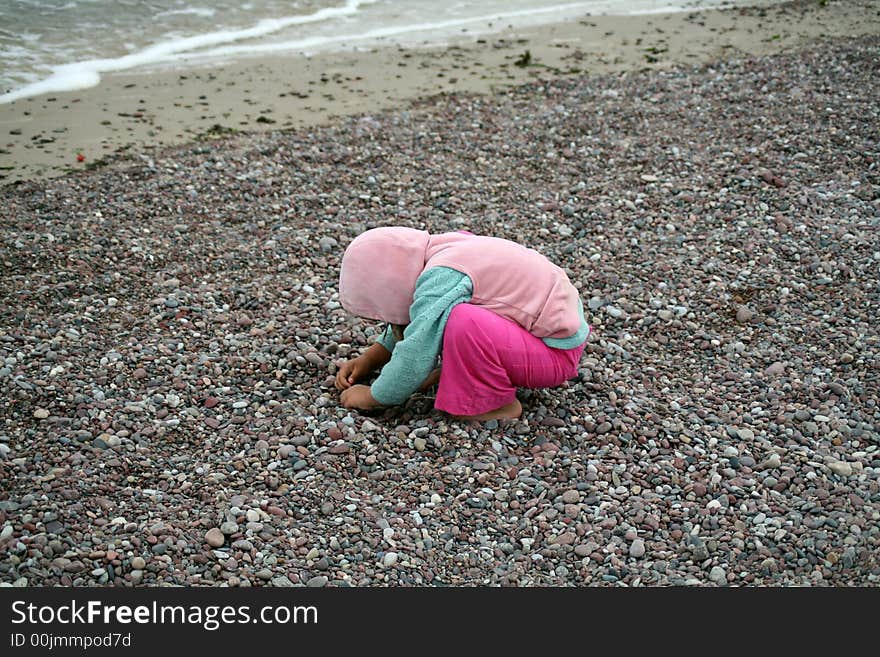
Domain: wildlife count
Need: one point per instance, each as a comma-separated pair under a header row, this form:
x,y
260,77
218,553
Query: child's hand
x,y
358,396
350,372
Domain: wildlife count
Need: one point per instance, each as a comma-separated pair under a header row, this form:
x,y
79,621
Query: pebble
x,y
138,563
327,244
583,550
41,413
637,548
718,575
282,581
214,537
744,315
54,527
389,559
776,369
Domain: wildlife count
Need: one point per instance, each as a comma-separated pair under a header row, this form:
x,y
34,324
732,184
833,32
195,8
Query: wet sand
x,y
134,113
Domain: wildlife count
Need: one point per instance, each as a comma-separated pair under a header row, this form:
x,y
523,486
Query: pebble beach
x,y
170,328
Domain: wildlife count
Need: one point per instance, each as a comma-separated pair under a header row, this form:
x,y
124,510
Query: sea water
x,y
62,45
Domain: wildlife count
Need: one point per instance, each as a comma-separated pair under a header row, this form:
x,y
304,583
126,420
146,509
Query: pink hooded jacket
x,y
380,267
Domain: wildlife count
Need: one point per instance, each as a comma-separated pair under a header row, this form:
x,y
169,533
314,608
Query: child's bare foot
x,y
509,411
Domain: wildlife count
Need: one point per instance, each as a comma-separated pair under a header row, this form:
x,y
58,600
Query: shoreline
x,y
136,113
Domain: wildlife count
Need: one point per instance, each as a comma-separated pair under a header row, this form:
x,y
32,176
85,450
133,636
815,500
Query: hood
x,y
377,279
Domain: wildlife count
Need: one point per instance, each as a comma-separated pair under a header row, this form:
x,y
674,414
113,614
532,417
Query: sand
x,y
133,113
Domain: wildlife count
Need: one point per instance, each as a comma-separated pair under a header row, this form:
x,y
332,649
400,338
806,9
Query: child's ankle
x,y
509,411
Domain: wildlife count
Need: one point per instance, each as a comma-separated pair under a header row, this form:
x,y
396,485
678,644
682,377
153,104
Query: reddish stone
x,y
211,402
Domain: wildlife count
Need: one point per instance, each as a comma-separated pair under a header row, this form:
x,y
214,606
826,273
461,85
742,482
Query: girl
x,y
502,315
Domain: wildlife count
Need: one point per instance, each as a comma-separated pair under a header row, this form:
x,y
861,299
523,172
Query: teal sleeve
x,y
574,340
438,291
387,339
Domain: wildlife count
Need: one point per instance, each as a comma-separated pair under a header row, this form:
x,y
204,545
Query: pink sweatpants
x,y
486,357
